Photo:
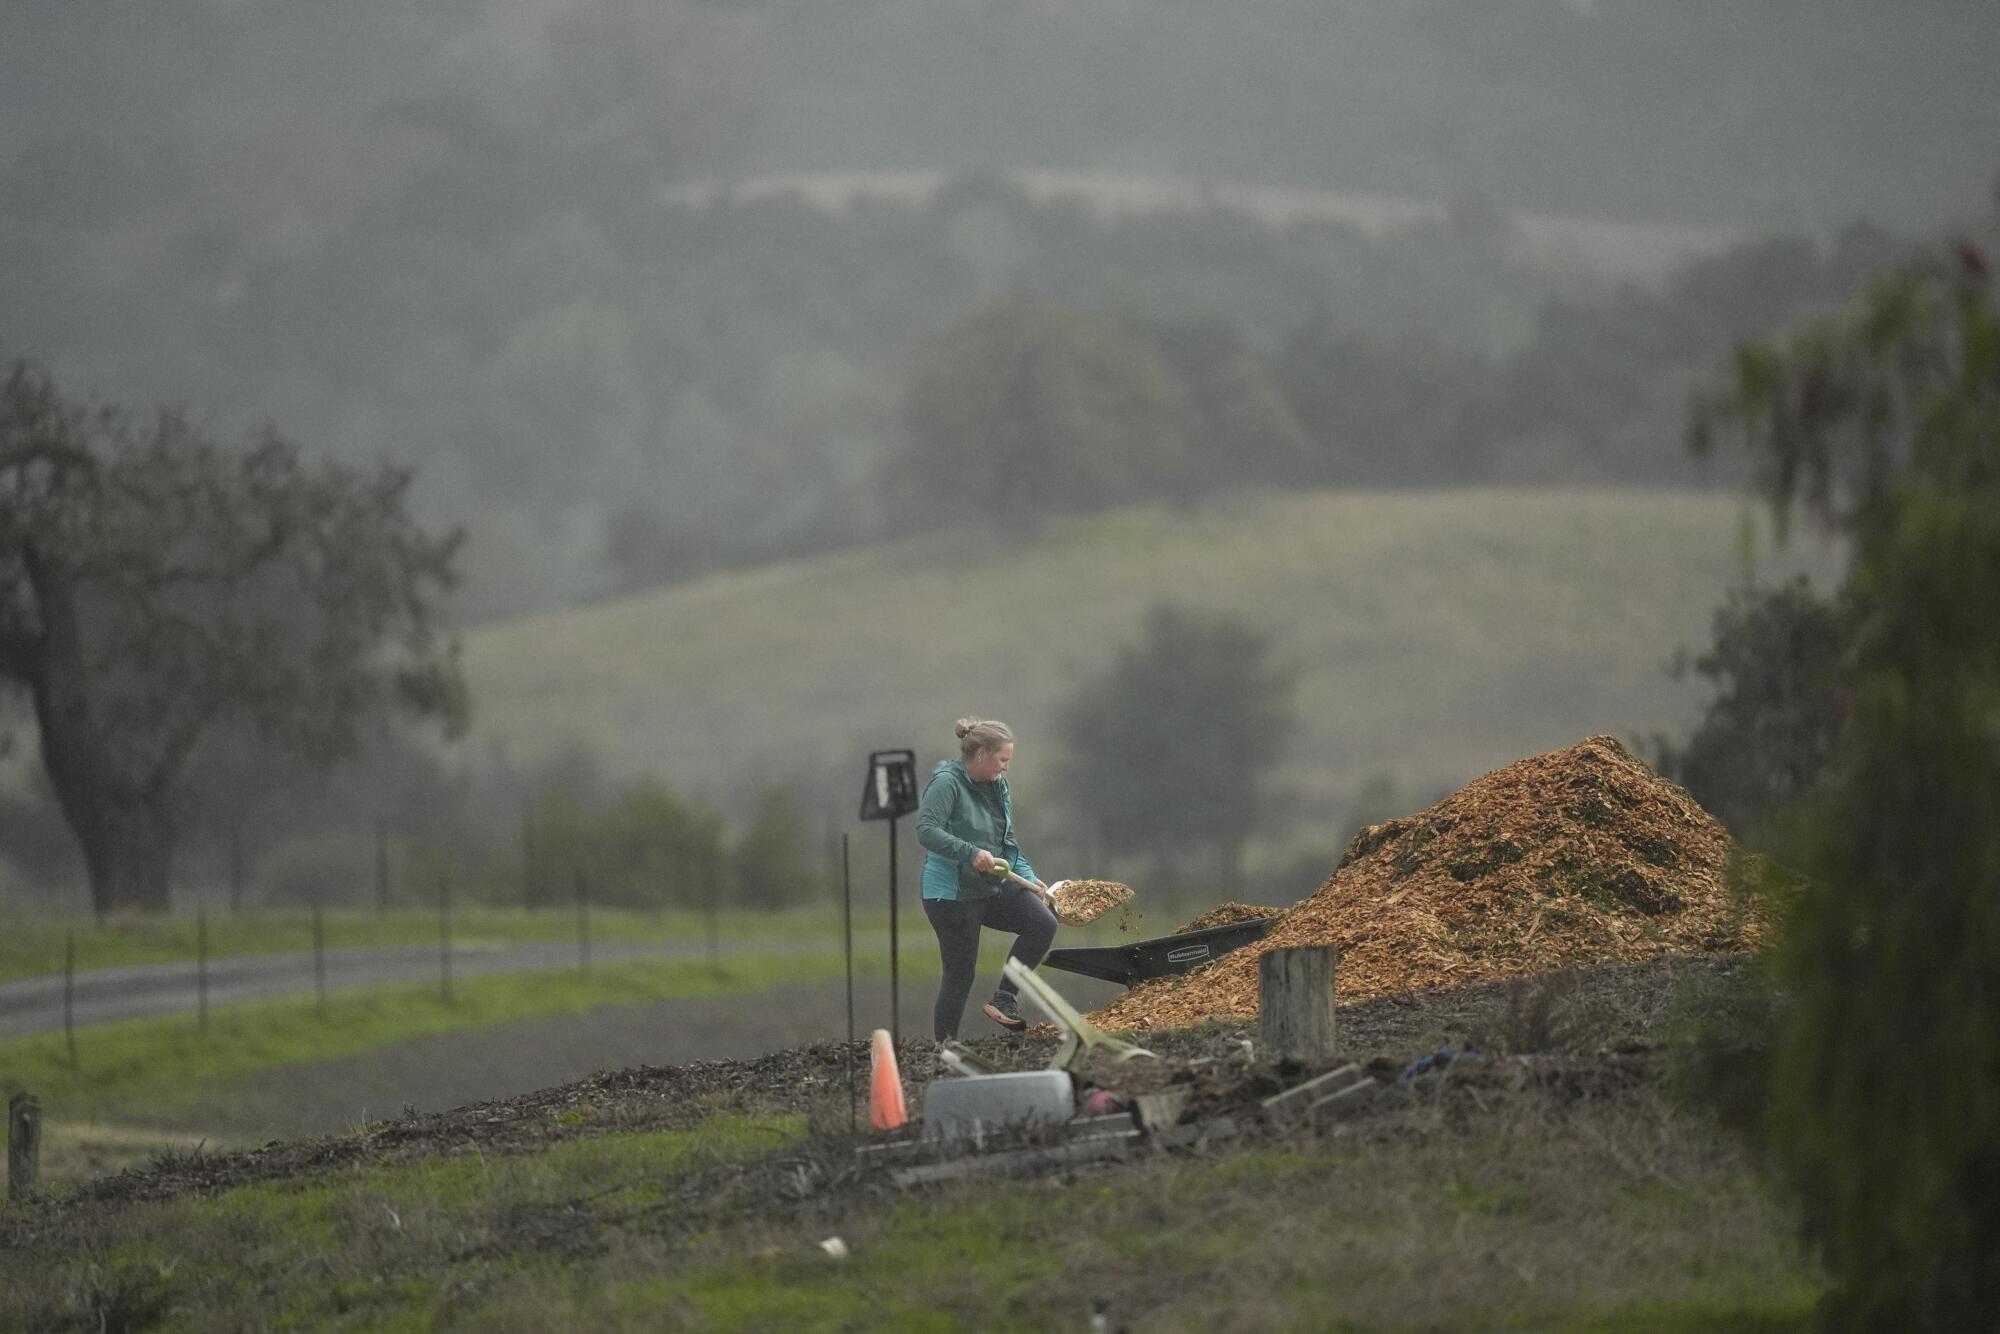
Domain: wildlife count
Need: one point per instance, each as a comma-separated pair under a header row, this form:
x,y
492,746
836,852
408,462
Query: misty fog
x,y
663,299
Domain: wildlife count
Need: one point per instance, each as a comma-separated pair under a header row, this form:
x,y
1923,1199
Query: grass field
x,y
1628,1217
33,946
1435,635
698,1196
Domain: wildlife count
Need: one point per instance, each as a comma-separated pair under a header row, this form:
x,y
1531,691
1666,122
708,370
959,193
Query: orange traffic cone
x,y
885,1085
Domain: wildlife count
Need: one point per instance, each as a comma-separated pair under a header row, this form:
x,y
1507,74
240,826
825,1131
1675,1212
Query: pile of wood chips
x,y
1582,855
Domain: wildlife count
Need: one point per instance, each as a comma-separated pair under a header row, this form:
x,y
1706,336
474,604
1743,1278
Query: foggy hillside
x,y
1738,113
447,233
595,268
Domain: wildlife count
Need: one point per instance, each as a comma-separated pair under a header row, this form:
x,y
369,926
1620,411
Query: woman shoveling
x,y
966,824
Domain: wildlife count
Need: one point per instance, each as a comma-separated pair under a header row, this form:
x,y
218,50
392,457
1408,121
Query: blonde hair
x,y
977,734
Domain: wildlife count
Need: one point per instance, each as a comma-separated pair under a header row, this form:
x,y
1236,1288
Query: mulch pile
x,y
1227,913
1583,855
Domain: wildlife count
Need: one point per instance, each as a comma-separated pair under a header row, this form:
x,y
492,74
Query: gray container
x,y
982,1104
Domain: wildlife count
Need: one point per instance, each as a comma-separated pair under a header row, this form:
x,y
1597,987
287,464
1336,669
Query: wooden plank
x,y
1108,1123
1112,1125
1343,1100
1294,1102
1015,1160
1158,1111
1195,1134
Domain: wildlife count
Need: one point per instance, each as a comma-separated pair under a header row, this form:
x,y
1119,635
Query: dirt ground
x,y
1593,1033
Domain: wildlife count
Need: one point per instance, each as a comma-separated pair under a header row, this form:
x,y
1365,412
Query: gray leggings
x,y
957,923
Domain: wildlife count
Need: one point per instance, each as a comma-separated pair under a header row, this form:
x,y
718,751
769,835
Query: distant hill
x,y
1437,635
1602,247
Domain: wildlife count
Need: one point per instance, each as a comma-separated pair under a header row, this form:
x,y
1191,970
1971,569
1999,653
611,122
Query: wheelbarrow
x,y
1144,960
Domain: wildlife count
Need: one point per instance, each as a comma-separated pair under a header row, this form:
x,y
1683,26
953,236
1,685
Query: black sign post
x,y
891,793
847,941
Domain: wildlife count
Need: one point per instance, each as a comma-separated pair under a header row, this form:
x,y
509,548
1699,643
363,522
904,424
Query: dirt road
x,y
449,1070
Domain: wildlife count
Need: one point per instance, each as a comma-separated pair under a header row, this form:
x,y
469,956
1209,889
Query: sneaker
x,y
1005,1010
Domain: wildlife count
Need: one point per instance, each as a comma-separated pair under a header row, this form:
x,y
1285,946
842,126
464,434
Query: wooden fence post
x,y
1295,1019
24,1145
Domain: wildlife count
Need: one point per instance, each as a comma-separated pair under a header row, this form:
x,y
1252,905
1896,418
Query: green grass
x,y
1436,636
1492,1231
1597,1217
33,946
310,1254
74,1152
161,1064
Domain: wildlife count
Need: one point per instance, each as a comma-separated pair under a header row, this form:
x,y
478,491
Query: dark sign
x,y
892,785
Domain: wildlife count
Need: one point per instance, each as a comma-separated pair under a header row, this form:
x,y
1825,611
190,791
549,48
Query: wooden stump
x,y
24,1144
1295,1003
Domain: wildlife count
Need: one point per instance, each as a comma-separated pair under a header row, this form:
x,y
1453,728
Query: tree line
x,y
630,391
1036,404
1852,738
174,605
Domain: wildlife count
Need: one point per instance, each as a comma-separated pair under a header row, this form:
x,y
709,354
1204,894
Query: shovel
x,y
1002,871
1067,914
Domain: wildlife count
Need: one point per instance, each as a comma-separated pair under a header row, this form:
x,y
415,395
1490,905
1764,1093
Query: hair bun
x,y
965,725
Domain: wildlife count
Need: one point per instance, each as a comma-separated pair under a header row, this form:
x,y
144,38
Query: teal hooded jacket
x,y
957,818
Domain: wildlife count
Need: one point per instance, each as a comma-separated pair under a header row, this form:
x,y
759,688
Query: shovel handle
x,y
1029,885
1022,881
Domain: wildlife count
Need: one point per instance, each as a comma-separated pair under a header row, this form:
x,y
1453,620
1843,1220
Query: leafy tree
x,y
646,848
1025,408
1775,665
1241,421
1884,422
772,865
1172,750
1383,410
154,584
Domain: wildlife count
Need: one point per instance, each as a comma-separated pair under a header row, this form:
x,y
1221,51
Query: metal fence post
x,y
69,996
201,967
847,946
235,870
381,868
895,980
444,933
319,958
